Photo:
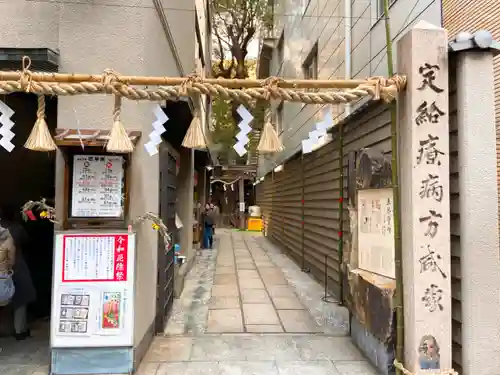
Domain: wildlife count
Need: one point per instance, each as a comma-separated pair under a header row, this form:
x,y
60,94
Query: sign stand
x,y
93,285
93,290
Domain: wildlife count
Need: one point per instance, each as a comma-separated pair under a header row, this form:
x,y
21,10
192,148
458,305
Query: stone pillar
x,y
479,259
425,203
185,199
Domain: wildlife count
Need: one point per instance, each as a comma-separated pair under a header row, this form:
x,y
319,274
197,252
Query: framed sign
x,y
96,189
93,290
98,186
376,231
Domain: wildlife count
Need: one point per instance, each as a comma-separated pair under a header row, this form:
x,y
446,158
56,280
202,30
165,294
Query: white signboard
x,y
93,290
376,232
97,188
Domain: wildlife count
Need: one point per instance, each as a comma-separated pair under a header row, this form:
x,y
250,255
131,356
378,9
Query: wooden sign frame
x,y
91,146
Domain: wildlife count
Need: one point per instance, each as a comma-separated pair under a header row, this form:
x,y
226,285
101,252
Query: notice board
x,y
93,289
376,231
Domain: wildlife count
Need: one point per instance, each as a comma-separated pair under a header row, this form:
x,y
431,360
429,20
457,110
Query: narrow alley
x,y
248,309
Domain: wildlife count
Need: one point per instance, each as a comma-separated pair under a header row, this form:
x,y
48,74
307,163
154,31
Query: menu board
x,y
97,189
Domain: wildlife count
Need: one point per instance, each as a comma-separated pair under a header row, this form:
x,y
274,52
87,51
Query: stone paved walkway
x,y
247,309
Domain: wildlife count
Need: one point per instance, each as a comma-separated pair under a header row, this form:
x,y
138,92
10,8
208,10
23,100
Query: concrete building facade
x,y
330,39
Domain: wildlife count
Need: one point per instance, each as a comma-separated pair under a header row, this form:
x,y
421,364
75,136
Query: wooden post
x,y
241,191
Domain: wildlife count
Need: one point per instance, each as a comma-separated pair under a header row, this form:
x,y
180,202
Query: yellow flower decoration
x,y
155,226
43,214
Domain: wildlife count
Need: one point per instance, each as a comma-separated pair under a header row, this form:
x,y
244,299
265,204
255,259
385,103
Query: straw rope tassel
x,y
119,141
194,136
40,138
269,140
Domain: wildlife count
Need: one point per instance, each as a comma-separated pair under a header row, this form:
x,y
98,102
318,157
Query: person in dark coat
x,y
25,292
208,225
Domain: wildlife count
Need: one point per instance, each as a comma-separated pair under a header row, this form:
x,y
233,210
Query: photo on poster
x,y
111,310
74,312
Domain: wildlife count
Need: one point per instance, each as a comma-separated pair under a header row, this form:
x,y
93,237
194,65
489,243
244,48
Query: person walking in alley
x,y
207,219
25,292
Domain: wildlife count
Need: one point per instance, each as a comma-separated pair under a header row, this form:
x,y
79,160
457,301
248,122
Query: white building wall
x,y
306,22
127,36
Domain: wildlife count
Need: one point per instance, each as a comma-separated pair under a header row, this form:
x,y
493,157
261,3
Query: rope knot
x,y
26,75
110,76
398,81
271,84
188,83
377,83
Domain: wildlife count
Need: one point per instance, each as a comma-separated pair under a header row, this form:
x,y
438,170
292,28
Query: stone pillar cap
x,y
481,40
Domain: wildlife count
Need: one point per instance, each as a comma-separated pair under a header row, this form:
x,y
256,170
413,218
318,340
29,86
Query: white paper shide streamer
x,y
6,125
158,129
320,130
245,129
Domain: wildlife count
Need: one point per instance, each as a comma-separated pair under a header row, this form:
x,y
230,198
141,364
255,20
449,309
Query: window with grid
x,y
278,119
281,51
379,7
310,65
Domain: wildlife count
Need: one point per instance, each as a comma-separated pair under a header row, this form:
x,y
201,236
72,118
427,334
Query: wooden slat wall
x,y
322,215
287,207
455,229
280,197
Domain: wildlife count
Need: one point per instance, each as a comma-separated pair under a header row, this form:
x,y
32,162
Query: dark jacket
x,y
207,218
25,290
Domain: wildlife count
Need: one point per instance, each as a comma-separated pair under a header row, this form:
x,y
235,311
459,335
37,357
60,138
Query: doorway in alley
x,y
28,175
167,209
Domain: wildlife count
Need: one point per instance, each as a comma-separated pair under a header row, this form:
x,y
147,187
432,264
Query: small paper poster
x,y
111,310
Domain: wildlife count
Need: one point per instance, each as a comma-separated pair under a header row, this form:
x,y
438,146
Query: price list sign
x,y
97,188
94,258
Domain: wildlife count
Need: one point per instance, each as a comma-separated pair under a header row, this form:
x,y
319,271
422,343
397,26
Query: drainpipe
x,y
347,44
166,28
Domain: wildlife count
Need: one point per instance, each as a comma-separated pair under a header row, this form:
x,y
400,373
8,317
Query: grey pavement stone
x,y
224,303
264,328
355,368
169,349
225,279
148,368
250,283
223,321
307,368
298,321
248,368
287,303
328,348
18,370
217,349
254,296
259,313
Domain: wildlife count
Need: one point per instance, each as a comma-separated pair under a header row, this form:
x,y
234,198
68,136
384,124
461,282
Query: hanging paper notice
x,y
94,258
97,186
